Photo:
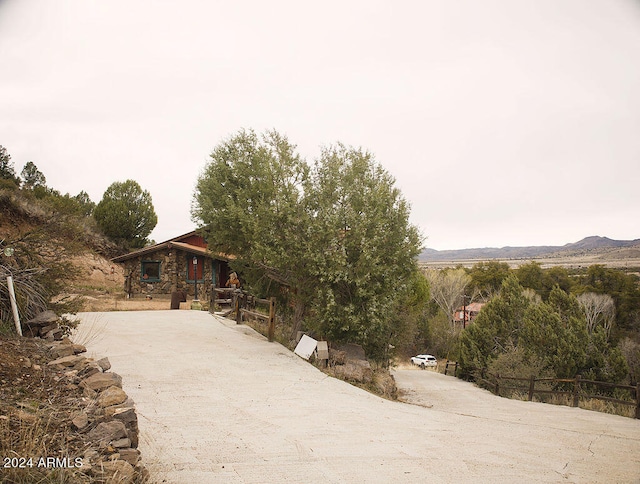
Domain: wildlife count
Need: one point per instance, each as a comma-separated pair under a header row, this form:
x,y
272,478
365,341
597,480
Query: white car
x,y
424,360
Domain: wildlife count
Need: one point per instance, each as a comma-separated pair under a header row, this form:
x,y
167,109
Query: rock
x,y
54,335
49,327
62,350
91,369
67,360
44,318
132,433
114,472
113,395
107,432
354,372
88,392
80,421
104,363
121,443
125,415
132,456
100,381
352,351
77,349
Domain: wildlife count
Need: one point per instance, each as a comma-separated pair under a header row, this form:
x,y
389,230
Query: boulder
x,y
121,443
355,372
104,363
132,456
43,318
71,360
54,335
107,432
62,350
125,415
80,421
113,395
79,348
99,381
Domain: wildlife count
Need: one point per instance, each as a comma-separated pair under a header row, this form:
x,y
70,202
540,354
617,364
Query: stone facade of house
x,y
169,267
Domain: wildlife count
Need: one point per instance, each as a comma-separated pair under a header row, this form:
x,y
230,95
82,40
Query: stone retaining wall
x,y
104,418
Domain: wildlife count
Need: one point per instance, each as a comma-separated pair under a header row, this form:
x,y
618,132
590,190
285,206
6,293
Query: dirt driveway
x,y
218,403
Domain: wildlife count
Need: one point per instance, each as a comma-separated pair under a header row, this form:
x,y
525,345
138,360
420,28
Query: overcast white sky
x,y
504,122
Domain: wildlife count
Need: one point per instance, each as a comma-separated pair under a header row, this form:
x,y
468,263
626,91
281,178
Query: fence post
x,y
576,391
14,305
237,296
498,384
532,384
446,367
637,400
272,318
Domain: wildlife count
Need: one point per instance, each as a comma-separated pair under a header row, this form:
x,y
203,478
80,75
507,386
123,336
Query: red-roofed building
x,y
472,310
174,265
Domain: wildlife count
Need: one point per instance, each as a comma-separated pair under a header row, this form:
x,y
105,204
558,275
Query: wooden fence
x,y
452,364
245,306
577,388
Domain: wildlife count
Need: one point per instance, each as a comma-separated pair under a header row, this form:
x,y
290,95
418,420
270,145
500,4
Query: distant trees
x,y
32,177
126,214
486,278
549,335
335,235
599,309
623,288
8,176
447,288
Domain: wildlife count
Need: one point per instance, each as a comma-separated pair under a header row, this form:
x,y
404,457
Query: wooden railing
x,y
245,306
500,383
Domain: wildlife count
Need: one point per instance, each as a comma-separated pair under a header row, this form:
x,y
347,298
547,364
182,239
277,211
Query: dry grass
x,y
35,417
594,404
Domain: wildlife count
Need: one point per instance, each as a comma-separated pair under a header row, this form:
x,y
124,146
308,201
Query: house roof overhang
x,y
174,243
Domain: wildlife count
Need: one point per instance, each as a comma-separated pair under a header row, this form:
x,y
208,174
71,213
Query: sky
x,y
503,122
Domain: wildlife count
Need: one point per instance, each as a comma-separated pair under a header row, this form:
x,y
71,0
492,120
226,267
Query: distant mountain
x,y
592,243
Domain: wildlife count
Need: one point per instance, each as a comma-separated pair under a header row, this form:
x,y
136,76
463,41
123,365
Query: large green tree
x,y
126,214
365,248
336,235
249,201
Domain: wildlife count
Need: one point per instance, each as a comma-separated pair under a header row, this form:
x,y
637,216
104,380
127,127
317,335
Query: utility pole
x,y
464,310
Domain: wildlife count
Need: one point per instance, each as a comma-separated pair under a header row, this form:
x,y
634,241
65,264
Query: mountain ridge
x,y
588,244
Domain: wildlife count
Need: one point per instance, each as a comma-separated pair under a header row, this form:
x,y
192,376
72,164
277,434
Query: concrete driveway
x,y
216,402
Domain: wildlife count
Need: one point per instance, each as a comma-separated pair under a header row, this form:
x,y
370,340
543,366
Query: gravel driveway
x,y
216,402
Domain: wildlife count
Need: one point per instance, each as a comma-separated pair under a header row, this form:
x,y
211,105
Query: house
x,y
174,265
472,311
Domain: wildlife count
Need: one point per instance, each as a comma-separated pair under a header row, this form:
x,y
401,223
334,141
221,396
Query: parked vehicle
x,y
424,361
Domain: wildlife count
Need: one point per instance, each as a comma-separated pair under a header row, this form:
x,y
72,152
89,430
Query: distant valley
x,y
590,250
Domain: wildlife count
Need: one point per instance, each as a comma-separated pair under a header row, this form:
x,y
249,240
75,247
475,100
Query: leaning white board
x,y
306,346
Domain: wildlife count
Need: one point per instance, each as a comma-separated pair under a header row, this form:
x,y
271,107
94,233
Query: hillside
x,y
50,245
593,249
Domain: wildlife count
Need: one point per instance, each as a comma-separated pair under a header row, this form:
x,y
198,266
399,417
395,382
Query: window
x,y
199,268
150,271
